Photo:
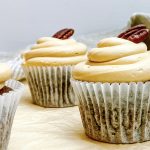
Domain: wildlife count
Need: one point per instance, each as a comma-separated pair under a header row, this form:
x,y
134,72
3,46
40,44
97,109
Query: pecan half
x,y
135,34
64,34
139,36
5,89
134,28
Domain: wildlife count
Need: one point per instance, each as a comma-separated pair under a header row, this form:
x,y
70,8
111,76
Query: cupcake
x,y
10,93
113,90
48,66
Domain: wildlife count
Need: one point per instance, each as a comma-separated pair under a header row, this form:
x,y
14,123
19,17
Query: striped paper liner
x,y
8,105
114,113
50,86
17,71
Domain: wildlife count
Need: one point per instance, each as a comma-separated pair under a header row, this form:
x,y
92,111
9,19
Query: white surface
x,y
37,128
23,21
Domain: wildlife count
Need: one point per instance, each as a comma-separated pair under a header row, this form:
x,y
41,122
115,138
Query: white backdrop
x,y
23,21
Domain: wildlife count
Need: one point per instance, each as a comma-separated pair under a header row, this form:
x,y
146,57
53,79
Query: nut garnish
x,y
139,36
134,28
135,34
64,34
5,89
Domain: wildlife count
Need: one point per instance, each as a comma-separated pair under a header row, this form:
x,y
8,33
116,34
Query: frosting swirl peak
x,y
115,60
55,52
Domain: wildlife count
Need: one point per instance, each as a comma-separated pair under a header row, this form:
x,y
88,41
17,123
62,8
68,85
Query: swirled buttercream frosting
x,y
54,52
115,60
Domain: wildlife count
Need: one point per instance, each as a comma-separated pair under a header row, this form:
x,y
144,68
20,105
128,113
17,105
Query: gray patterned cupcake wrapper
x,y
17,71
50,86
115,113
8,105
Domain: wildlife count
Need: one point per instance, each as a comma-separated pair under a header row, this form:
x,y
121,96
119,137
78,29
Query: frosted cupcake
x,y
10,93
113,90
48,69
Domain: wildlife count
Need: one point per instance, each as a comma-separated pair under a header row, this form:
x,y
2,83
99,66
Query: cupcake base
x,y
8,105
115,113
50,86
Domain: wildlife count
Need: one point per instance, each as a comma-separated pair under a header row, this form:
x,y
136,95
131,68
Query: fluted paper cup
x,y
50,86
114,113
8,105
17,71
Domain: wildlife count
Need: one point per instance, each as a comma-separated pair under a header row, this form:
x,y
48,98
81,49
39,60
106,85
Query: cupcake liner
x,y
50,86
17,71
16,66
114,113
8,105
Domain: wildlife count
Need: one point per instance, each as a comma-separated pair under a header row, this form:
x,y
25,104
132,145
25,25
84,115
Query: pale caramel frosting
x,y
5,73
115,60
50,41
54,52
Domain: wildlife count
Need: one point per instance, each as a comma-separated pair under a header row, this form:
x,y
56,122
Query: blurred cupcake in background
x,y
113,89
48,66
10,94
